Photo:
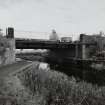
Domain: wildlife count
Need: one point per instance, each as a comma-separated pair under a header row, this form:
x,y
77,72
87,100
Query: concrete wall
x,y
90,50
7,50
100,40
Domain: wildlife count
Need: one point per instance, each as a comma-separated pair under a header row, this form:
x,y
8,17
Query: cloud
x,y
8,3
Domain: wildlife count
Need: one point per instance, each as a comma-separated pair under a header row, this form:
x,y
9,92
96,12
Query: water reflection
x,y
80,73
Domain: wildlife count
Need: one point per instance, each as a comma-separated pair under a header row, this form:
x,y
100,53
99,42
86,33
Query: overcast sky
x,y
65,16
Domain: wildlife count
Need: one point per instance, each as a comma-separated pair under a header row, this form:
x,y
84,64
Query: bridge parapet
x,y
46,44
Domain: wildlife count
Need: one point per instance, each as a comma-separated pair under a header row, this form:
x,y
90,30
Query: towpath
x,y
13,68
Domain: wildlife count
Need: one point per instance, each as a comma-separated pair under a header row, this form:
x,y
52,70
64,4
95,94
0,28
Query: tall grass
x,y
55,88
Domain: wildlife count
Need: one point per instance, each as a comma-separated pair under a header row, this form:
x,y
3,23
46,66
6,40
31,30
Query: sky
x,y
36,18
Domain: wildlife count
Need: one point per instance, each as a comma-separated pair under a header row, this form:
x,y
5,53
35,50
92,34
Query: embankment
x,y
52,87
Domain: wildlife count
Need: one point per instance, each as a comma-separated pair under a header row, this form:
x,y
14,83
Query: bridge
x,y
46,44
79,49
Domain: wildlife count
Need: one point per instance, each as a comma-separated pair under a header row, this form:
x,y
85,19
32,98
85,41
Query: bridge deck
x,y
45,44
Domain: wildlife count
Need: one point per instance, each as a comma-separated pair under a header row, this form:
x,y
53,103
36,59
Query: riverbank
x,y
53,87
34,86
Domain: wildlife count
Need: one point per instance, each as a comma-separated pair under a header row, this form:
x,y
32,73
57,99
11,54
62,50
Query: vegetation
x,y
55,88
47,87
36,56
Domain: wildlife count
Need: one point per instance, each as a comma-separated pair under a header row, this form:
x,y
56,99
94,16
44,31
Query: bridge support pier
x,y
7,48
83,51
76,51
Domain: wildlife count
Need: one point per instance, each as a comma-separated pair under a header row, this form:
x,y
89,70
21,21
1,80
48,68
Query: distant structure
x,y
66,39
54,36
101,33
10,33
99,49
1,34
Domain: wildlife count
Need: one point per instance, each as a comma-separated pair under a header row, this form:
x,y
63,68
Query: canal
x,y
81,71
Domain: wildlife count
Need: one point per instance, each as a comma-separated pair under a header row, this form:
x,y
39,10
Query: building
x,y
92,50
66,39
54,36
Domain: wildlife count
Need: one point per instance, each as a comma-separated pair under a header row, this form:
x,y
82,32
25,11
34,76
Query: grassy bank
x,y
55,88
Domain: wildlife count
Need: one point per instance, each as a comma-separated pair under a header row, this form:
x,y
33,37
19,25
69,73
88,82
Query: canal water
x,y
80,73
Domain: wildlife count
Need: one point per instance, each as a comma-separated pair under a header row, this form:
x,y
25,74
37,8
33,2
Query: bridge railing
x,y
40,35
